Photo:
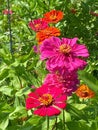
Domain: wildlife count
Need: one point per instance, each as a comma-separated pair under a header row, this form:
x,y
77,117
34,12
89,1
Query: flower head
x,y
6,11
47,33
38,24
63,55
68,82
48,102
84,92
53,16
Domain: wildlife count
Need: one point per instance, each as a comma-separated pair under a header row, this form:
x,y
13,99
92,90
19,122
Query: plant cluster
x,y
49,65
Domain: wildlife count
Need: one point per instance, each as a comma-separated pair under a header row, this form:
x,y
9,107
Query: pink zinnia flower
x,y
6,11
68,83
48,102
38,24
63,55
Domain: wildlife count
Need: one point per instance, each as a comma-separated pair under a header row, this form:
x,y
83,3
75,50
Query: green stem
x,y
9,24
56,122
47,118
64,119
55,125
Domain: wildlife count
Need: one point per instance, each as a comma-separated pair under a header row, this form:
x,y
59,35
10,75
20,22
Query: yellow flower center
x,y
37,25
64,48
46,99
53,17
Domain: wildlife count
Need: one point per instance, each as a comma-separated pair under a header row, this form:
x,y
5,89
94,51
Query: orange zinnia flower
x,y
47,33
53,16
84,92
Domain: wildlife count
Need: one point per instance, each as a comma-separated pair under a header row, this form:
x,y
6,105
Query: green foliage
x,y
22,68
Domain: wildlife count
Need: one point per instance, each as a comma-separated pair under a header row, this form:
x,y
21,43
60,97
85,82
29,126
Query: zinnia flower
x,y
63,55
84,92
46,101
53,16
47,33
68,83
6,11
38,24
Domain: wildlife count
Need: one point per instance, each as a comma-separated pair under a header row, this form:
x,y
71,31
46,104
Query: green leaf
x,y
26,57
4,124
6,90
79,106
75,112
67,116
80,125
4,73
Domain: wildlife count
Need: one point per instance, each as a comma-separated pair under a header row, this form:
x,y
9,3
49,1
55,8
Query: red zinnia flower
x,y
84,92
38,24
53,16
47,101
6,11
47,33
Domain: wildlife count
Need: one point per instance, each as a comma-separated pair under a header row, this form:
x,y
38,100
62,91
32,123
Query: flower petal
x,y
32,103
80,50
42,111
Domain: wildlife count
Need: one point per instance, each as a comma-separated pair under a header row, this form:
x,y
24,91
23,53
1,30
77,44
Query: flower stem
x,y
56,123
9,24
64,119
47,118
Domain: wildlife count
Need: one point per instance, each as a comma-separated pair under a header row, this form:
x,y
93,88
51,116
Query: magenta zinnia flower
x,y
48,102
64,54
68,83
38,24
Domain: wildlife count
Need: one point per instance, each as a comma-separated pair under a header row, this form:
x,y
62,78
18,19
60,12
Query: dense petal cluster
x,y
47,33
47,101
53,16
63,54
38,24
83,91
68,83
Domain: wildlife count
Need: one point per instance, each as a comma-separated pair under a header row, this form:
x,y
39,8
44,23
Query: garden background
x,y
21,67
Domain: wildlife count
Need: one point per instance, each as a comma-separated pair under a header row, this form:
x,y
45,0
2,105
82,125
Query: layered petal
x,y
63,55
44,99
38,24
80,50
53,16
47,33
